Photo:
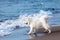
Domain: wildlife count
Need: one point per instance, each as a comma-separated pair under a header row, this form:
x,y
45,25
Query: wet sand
x,y
55,35
52,36
21,34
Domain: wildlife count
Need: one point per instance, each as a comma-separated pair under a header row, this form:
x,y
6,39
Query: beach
x,y
52,36
55,35
21,34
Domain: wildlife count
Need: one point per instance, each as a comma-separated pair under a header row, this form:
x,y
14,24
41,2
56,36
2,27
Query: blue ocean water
x,y
12,9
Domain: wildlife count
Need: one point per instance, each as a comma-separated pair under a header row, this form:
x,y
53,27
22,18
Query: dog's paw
x,y
29,33
49,31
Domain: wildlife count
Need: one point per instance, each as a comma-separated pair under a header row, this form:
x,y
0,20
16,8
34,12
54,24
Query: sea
x,y
13,12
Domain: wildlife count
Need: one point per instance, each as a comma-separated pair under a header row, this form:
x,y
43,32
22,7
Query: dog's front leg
x,y
31,30
45,30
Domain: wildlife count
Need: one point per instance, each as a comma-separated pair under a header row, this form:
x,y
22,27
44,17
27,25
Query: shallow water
x,y
20,34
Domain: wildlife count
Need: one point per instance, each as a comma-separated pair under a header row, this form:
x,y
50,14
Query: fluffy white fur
x,y
35,24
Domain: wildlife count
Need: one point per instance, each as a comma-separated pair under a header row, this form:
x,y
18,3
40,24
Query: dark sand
x,y
21,34
55,35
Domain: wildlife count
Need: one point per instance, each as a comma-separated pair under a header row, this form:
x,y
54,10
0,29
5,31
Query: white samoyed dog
x,y
35,24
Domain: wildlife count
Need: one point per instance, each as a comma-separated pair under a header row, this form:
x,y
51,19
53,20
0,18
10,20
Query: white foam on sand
x,y
8,26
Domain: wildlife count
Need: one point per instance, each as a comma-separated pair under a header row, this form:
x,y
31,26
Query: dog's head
x,y
27,20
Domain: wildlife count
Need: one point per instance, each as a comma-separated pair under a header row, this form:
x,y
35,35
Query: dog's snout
x,y
26,23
